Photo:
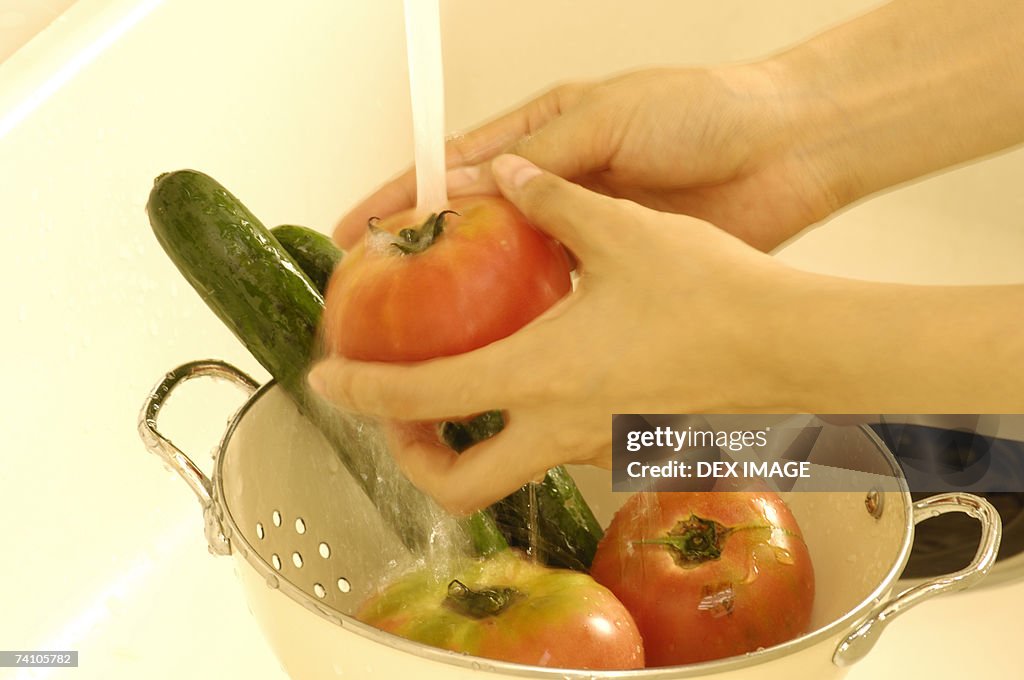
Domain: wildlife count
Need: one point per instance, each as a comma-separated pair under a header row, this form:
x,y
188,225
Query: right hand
x,y
670,315
711,143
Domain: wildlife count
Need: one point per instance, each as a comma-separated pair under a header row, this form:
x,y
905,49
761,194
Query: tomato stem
x,y
415,240
693,541
482,603
696,540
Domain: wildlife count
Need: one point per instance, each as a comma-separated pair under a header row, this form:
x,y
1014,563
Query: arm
x,y
672,315
762,150
913,87
865,347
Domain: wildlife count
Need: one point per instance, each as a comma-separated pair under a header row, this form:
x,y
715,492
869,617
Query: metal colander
x,y
308,541
280,496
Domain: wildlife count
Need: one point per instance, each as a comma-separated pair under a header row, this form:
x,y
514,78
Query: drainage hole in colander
x,y
297,560
325,550
276,516
259,530
300,526
320,591
276,561
343,585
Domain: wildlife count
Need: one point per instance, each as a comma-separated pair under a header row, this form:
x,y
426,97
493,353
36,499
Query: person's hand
x,y
718,144
668,316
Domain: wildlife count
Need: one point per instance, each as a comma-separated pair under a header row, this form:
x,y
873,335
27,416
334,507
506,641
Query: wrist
x,y
903,91
788,148
784,364
814,134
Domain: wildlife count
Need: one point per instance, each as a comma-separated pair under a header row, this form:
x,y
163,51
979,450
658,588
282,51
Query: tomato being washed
x,y
465,277
708,575
508,608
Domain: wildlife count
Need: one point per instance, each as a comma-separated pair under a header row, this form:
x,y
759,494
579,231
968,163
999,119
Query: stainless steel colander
x,y
310,546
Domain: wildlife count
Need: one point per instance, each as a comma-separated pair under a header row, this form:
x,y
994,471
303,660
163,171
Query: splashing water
x,y
433,537
532,524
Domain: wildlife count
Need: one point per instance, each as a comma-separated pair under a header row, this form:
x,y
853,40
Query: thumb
x,y
581,219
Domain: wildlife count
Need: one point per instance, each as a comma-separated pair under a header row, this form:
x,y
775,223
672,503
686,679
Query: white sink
x,y
299,108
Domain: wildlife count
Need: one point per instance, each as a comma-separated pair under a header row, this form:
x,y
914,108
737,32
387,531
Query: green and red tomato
x,y
511,609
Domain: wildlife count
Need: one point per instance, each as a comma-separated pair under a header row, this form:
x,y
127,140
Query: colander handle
x,y
858,643
174,457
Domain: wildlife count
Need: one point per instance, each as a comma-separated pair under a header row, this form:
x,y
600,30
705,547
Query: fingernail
x,y
513,171
461,178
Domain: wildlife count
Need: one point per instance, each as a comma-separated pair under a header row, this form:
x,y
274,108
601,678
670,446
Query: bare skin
x,y
666,185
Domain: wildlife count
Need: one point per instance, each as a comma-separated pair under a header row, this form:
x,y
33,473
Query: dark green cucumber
x,y
567,532
314,252
261,293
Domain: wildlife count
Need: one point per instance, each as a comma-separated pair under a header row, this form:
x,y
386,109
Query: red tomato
x,y
708,575
508,608
452,285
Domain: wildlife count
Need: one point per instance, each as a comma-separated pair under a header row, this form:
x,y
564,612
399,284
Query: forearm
x,y
908,89
862,347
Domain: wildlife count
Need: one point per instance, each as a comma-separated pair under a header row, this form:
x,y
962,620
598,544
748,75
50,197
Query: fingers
x,y
582,220
465,153
571,145
449,387
481,475
505,132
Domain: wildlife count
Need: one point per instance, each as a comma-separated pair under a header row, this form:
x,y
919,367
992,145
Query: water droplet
x,y
718,600
272,581
783,556
753,570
